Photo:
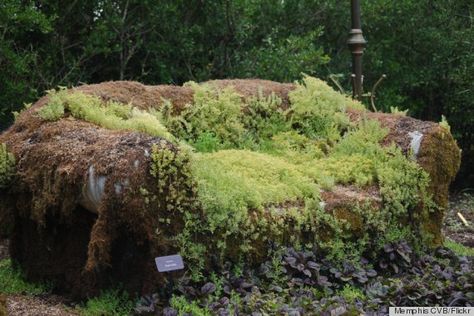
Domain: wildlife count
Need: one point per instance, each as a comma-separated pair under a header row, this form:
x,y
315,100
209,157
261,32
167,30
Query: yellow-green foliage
x,y
318,111
353,169
54,110
26,106
181,304
232,182
7,166
351,293
397,111
175,183
111,115
214,112
109,303
219,119
295,147
444,123
459,249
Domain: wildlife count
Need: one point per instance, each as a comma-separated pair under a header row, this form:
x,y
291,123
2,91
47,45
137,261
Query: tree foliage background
x,y
425,47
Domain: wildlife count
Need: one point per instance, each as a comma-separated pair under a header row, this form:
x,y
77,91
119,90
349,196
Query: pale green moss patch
x,y
232,182
7,166
318,111
110,114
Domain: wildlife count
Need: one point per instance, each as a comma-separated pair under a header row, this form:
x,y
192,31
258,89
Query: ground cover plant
x,y
306,283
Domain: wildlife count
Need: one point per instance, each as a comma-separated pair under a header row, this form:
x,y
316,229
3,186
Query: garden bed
x,y
99,180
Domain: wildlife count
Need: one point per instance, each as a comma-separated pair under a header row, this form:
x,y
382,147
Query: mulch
x,y
454,228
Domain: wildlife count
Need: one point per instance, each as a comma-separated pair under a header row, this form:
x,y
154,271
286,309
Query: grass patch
x,y
109,303
459,249
12,281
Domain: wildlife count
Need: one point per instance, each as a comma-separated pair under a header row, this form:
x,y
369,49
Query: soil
x,y
41,305
454,228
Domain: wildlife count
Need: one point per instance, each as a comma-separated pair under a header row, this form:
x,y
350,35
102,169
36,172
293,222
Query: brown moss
x,y
249,88
53,169
343,202
440,157
6,216
141,96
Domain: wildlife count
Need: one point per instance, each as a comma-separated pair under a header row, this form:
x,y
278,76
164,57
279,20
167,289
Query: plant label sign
x,y
169,263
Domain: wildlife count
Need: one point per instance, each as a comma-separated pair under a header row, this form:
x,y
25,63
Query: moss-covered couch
x,y
98,180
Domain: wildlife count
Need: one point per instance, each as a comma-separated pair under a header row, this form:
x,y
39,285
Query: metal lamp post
x,y
356,44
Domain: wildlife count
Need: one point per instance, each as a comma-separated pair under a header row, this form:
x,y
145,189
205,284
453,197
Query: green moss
x,y
111,115
7,166
318,111
232,182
